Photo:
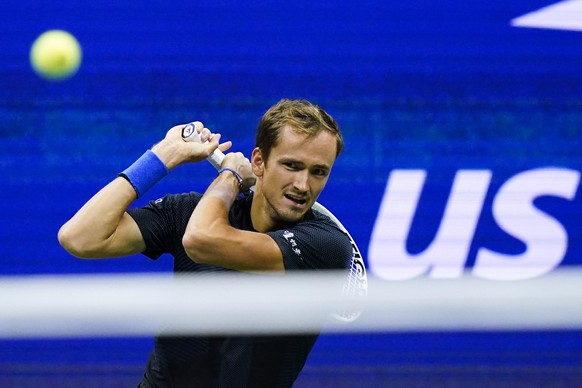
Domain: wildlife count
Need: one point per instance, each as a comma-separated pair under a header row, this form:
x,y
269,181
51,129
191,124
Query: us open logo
x,y
545,238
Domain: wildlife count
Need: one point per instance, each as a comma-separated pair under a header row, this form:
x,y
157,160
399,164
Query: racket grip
x,y
216,158
190,134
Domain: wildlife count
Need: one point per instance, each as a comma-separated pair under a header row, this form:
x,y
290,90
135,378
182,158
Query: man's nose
x,y
301,182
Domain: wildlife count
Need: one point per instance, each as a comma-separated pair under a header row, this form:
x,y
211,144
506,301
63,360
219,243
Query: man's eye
x,y
290,165
320,172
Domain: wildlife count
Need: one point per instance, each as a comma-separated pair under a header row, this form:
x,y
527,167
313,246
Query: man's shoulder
x,y
168,206
179,199
315,242
322,220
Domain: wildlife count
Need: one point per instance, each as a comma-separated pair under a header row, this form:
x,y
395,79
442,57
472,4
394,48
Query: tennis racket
x,y
356,283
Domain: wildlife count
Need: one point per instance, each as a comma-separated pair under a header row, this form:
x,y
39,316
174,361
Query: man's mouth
x,y
298,200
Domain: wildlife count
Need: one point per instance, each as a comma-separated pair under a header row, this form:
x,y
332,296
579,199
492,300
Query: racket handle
x,y
189,133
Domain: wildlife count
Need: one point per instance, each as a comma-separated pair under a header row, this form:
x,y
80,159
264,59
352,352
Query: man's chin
x,y
292,215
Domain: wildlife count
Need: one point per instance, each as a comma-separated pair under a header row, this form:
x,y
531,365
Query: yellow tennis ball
x,y
55,55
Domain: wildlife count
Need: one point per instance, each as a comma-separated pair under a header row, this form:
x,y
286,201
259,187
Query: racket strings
x,y
356,282
355,285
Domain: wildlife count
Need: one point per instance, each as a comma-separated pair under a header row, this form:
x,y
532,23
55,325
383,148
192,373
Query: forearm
x,y
101,228
209,224
210,239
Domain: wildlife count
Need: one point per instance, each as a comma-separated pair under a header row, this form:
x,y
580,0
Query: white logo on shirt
x,y
289,236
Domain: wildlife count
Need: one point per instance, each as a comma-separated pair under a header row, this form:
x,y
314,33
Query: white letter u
x,y
447,254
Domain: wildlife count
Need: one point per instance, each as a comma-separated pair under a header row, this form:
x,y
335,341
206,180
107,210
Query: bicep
x,y
126,240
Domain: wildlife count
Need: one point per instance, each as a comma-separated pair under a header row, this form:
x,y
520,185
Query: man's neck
x,y
263,216
262,221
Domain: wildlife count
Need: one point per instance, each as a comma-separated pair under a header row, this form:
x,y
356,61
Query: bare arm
x,y
210,239
102,228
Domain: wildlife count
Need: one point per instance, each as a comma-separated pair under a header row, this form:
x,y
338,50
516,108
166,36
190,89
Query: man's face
x,y
295,174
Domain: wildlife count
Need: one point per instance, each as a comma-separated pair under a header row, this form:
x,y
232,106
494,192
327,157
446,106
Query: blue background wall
x,y
439,86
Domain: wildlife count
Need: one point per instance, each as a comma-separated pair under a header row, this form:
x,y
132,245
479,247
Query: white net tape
x,y
136,305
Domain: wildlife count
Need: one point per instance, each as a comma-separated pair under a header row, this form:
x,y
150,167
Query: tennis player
x,y
272,230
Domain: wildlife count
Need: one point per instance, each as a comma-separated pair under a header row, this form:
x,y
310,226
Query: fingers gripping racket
x,y
356,283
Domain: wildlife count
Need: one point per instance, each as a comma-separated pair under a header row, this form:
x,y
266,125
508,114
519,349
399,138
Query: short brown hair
x,y
303,116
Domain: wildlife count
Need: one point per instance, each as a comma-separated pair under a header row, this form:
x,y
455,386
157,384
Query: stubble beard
x,y
283,216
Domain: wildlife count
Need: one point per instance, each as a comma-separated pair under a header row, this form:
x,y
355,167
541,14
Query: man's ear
x,y
257,162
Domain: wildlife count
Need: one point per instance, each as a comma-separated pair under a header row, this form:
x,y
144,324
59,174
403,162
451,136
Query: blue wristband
x,y
145,172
